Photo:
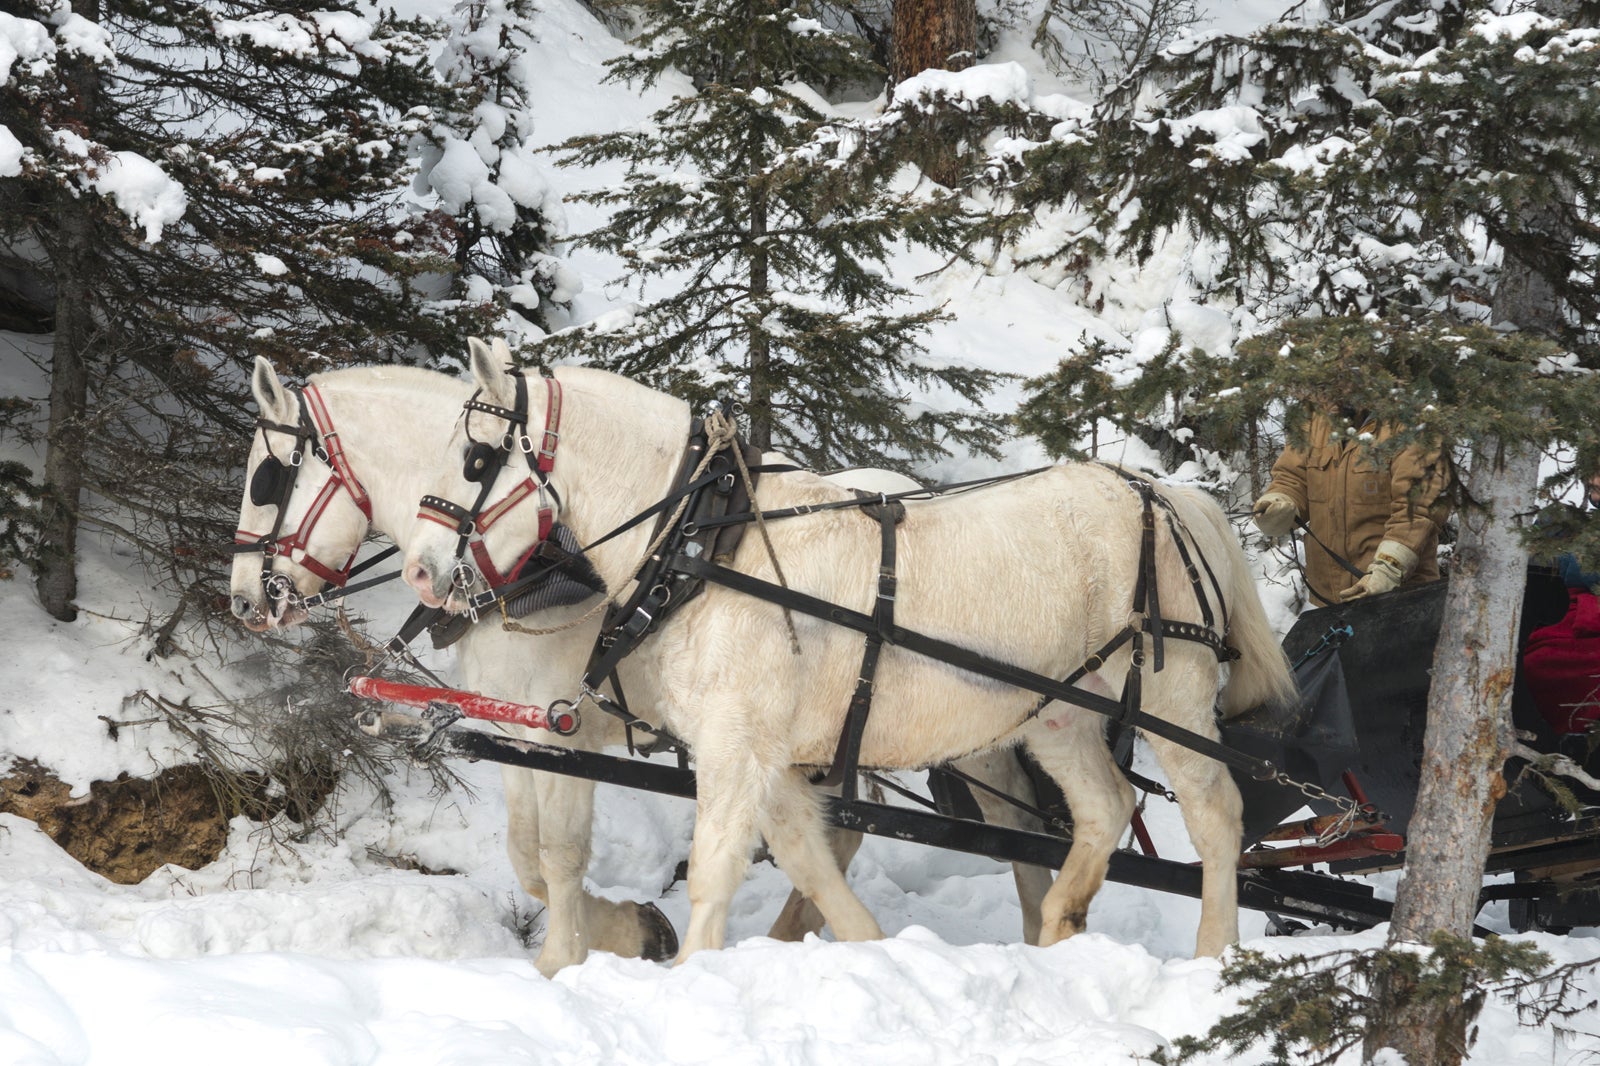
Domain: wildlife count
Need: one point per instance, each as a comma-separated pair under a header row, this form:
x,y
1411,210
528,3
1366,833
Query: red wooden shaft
x,y
470,703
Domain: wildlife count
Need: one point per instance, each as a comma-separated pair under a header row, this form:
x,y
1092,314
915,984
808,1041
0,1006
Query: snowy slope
x,y
345,952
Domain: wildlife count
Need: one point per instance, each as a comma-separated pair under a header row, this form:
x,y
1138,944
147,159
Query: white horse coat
x,y
392,422
1037,572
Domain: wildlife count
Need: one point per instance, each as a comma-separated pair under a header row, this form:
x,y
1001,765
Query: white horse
x,y
390,423
1038,572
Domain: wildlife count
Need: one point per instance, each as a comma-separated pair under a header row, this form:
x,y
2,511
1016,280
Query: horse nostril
x,y
242,607
419,576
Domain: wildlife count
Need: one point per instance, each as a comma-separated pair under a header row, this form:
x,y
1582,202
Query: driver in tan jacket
x,y
1384,518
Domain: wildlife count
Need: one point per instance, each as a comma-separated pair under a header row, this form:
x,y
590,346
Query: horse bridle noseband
x,y
273,483
482,466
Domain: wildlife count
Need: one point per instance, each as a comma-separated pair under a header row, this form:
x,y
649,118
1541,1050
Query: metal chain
x,y
1349,809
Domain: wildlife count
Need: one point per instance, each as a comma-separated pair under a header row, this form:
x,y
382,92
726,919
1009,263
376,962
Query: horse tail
x,y
1261,674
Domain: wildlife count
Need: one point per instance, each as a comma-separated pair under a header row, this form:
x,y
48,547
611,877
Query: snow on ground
x,y
342,950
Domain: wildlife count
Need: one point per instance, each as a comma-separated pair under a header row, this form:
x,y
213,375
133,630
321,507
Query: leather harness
x,y
698,547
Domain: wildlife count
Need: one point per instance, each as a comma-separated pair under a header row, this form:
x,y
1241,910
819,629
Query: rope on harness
x,y
723,435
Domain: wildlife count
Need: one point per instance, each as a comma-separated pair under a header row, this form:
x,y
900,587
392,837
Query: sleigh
x,y
1357,735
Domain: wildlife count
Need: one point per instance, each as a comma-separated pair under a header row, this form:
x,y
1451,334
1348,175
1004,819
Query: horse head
x,y
303,515
506,511
494,504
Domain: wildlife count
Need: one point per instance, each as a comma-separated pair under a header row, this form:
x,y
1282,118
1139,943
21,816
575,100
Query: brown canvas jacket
x,y
1353,503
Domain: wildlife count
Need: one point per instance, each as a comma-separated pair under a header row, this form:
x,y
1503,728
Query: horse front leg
x,y
734,775
808,854
578,921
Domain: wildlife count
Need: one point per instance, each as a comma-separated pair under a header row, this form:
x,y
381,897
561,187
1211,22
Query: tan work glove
x,y
1273,514
1392,565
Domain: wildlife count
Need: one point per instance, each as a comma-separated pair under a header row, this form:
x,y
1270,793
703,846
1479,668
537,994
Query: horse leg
x,y
736,775
522,830
799,915
1069,744
1003,769
577,921
1209,801
809,855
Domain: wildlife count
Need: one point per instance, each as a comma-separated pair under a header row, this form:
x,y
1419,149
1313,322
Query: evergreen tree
x,y
773,244
481,166
1419,179
1099,42
200,183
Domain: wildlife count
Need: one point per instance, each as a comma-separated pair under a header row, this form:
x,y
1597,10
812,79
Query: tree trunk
x,y
760,343
934,35
1469,731
71,250
1468,737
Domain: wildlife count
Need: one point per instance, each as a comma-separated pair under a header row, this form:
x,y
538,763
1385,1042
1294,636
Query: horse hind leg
x,y
1069,745
1003,769
1211,808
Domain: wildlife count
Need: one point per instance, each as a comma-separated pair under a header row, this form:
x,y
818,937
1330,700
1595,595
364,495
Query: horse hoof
x,y
658,940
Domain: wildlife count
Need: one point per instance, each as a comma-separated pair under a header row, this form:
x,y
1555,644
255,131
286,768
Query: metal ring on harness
x,y
463,576
562,716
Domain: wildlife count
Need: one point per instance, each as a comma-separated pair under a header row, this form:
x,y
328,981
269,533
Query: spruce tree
x,y
1399,200
201,183
481,164
771,245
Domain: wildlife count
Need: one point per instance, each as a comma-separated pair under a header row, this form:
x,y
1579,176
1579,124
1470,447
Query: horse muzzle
x,y
433,585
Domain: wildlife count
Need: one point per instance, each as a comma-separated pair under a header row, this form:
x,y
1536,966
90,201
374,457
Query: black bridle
x,y
482,465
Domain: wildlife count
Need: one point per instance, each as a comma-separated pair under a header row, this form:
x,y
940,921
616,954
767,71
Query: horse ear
x,y
489,368
272,399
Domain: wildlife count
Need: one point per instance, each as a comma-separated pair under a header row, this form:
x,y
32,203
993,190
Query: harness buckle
x,y
639,623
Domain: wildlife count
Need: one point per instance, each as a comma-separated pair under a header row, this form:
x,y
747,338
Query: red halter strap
x,y
295,546
472,524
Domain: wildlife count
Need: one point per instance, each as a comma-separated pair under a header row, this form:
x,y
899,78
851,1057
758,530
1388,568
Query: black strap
x,y
966,659
1344,563
848,755
1146,599
934,492
398,646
